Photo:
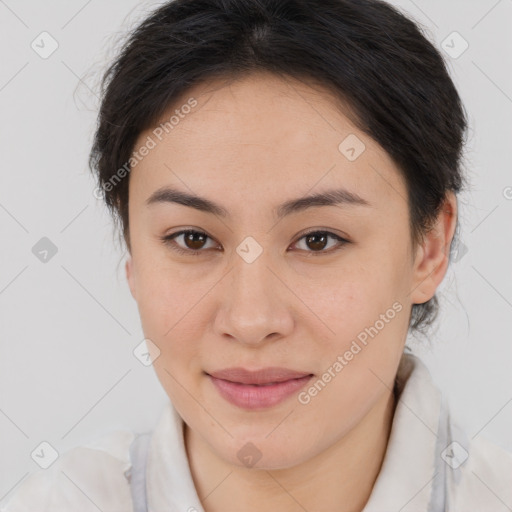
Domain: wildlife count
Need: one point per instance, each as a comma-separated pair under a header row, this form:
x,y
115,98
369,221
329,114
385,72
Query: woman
x,y
284,174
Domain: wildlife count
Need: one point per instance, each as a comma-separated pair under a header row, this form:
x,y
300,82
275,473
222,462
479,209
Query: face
x,y
323,289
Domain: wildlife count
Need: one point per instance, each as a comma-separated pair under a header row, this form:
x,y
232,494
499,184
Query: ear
x,y
432,256
130,276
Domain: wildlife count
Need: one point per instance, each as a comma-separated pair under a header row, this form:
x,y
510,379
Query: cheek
x,y
367,325
368,328
349,301
169,313
163,296
172,308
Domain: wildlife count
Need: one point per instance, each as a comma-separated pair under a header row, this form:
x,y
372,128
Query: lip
x,y
252,389
263,376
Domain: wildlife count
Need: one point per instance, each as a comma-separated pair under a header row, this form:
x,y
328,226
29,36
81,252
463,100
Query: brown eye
x,y
317,241
193,241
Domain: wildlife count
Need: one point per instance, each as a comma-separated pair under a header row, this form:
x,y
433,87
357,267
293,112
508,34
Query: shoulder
x,y
84,478
484,480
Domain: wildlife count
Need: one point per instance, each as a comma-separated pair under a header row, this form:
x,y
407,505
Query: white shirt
x,y
423,470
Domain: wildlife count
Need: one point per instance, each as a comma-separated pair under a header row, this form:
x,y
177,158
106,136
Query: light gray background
x,y
69,326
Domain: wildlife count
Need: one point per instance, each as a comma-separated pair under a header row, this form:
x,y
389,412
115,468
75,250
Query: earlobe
x,y
129,276
432,257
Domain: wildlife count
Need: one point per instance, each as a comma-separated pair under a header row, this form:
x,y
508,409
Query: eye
x,y
318,240
195,238
194,241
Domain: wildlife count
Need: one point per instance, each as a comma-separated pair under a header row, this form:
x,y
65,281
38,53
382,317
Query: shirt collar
x,y
169,481
410,471
411,476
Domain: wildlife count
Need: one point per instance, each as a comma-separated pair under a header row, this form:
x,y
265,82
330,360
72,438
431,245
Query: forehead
x,y
263,136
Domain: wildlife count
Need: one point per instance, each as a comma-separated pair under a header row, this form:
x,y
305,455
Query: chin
x,y
260,452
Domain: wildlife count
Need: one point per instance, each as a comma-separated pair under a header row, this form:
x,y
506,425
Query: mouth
x,y
258,390
265,376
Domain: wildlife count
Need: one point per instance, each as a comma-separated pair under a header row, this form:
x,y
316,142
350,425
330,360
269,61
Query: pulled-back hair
x,y
375,59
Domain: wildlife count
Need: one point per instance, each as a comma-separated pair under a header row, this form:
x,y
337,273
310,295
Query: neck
x,y
340,478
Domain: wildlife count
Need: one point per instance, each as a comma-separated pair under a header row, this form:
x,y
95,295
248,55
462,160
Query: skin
x,y
250,145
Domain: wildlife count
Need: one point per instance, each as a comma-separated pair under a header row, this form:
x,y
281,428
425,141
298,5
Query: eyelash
x,y
169,241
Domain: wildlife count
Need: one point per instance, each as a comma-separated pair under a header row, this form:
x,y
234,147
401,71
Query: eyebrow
x,y
332,197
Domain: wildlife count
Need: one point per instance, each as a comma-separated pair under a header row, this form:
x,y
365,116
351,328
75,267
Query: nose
x,y
254,303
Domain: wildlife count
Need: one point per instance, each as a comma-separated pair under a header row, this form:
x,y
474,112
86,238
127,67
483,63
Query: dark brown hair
x,y
374,58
